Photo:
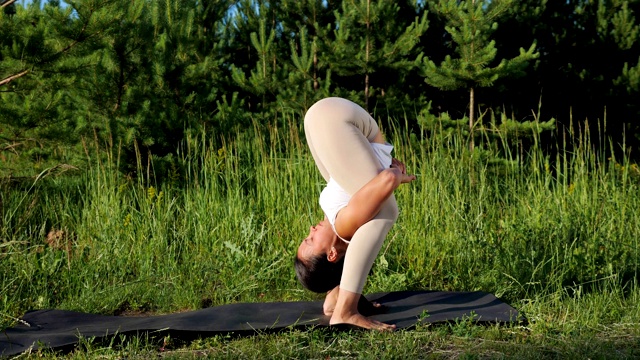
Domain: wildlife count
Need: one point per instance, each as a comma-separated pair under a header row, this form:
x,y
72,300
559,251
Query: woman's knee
x,y
334,112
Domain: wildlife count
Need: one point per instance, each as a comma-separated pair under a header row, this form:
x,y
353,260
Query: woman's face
x,y
321,240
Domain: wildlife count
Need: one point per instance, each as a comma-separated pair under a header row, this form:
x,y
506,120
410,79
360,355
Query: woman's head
x,y
319,274
319,260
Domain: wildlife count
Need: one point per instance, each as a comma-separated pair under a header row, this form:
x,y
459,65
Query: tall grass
x,y
226,226
533,225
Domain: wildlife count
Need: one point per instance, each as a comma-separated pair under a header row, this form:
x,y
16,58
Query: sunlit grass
x,y
554,235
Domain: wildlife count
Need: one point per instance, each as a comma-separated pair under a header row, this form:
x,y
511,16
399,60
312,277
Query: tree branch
x,y
5,81
11,148
7,3
52,58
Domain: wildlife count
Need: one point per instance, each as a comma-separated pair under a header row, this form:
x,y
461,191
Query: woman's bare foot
x,y
365,307
361,321
346,312
330,301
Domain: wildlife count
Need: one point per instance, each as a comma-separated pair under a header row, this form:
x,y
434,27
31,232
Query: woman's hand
x,y
403,176
395,163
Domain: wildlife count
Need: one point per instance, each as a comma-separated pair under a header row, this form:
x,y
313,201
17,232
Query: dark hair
x,y
318,274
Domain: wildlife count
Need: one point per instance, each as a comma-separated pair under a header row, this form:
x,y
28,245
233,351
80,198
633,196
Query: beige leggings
x,y
338,133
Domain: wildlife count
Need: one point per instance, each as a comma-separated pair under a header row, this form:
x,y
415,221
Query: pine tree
x,y
572,77
603,85
43,49
470,25
308,80
374,45
308,77
284,71
264,78
619,22
138,73
8,7
253,43
524,98
116,62
630,78
159,74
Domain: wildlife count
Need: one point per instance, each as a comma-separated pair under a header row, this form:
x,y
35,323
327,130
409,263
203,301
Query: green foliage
x,y
630,76
570,35
374,42
43,53
147,74
188,90
264,78
537,227
165,75
619,21
470,25
304,84
135,72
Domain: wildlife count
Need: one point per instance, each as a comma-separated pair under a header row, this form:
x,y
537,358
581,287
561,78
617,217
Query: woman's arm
x,y
366,203
379,138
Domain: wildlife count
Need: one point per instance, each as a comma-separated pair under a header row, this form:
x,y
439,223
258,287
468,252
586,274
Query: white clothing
x,y
333,197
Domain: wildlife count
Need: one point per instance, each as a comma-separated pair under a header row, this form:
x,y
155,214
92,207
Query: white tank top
x,y
333,197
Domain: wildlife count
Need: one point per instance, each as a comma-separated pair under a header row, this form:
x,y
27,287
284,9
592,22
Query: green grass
x,y
554,235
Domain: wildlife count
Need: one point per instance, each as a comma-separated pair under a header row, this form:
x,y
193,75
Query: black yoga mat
x,y
58,329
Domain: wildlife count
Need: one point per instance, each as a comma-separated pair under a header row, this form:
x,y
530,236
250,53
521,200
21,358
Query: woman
x,y
350,152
